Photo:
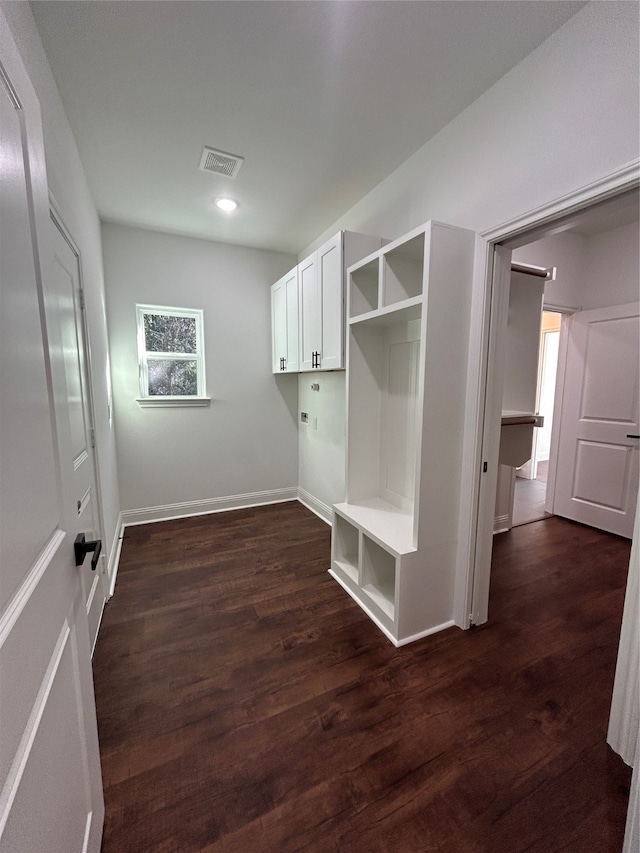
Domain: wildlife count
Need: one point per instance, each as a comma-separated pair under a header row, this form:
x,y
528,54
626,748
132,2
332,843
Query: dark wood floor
x,y
246,704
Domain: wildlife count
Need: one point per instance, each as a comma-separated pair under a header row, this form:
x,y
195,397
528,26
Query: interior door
x,y
50,785
597,466
65,282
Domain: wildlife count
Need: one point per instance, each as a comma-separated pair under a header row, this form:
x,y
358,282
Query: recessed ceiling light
x,y
226,204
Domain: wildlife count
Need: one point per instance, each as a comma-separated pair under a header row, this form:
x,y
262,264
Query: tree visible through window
x,y
170,352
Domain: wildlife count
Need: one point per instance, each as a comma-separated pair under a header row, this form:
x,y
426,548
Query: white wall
x,y
592,272
566,252
563,118
321,451
245,442
69,187
611,268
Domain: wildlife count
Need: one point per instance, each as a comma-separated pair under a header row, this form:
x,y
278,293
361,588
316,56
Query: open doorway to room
x,y
530,497
585,310
594,251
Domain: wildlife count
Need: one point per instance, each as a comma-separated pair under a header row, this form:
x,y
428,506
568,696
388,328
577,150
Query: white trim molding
x,y
632,831
322,510
150,514
383,628
624,720
171,402
472,581
16,605
625,178
114,554
19,763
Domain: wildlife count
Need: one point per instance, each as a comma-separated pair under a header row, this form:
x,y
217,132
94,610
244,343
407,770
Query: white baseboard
x,y
501,524
150,514
397,643
321,509
421,634
114,555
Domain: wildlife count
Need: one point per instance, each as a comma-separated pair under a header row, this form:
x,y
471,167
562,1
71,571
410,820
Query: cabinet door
x,y
278,325
309,312
331,304
292,357
284,324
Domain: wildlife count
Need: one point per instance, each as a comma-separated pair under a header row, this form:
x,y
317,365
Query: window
x,y
170,356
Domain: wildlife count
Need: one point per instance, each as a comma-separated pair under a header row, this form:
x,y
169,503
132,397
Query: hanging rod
x,y
528,269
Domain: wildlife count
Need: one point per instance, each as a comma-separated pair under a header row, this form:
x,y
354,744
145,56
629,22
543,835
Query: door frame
x,y
484,385
58,221
484,398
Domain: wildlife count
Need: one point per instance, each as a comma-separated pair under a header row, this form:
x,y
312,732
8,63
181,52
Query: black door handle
x,y
81,548
632,436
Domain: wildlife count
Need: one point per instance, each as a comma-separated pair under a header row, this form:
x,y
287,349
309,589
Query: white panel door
x,y
50,785
597,467
65,283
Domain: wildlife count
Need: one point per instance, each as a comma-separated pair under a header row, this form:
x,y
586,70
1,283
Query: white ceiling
x,y
323,99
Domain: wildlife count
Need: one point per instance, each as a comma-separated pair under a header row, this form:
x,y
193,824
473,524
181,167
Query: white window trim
x,y
156,400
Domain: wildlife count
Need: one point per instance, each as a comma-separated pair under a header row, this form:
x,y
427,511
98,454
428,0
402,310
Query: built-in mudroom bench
x,y
395,537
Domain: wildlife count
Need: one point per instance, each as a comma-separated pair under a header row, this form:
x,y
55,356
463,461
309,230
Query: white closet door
x,y
597,468
50,783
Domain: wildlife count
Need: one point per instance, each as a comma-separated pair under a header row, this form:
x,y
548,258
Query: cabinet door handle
x,y
632,436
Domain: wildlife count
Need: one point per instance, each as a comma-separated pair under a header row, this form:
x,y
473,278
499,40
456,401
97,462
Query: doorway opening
x,y
581,280
532,479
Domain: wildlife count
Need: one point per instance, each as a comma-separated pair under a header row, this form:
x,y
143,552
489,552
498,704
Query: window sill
x,y
171,402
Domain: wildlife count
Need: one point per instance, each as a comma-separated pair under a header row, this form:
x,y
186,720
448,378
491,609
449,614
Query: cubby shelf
x,y
407,309
382,522
394,537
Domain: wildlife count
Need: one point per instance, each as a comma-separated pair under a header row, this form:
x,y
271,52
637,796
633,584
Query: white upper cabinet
x,y
284,324
321,279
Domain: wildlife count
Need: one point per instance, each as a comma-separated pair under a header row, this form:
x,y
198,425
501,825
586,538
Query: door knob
x,y
81,548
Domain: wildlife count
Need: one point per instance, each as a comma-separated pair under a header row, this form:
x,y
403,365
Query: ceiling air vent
x,y
220,162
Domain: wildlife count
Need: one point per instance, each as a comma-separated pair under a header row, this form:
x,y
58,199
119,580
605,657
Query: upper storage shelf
x,y
403,271
390,278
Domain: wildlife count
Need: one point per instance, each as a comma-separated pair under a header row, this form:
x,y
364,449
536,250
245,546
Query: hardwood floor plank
x,y
245,703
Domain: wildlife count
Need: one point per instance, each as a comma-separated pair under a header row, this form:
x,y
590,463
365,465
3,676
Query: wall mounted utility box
x,y
395,538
